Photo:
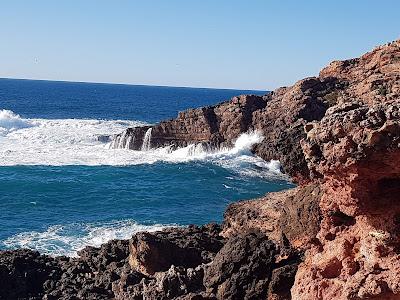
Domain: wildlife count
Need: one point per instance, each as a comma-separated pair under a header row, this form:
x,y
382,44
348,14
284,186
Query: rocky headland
x,y
335,236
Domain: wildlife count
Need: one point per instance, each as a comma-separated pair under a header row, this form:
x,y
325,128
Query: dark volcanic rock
x,y
244,266
90,276
23,273
185,247
282,122
282,280
174,283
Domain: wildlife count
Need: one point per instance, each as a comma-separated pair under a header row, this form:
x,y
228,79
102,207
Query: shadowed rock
x,y
185,247
243,268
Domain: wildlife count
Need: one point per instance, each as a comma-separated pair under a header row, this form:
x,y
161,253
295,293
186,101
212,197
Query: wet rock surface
x,y
335,236
214,125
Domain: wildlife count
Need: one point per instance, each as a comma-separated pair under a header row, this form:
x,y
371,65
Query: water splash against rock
x,y
147,140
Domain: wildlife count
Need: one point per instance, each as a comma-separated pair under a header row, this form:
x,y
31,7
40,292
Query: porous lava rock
x,y
185,247
24,272
355,149
247,265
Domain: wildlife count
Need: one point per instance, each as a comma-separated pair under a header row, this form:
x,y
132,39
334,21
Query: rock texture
x,y
183,247
335,236
338,136
176,263
280,117
355,149
244,268
293,214
213,126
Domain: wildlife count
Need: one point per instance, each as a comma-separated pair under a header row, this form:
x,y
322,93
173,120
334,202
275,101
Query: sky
x,y
248,44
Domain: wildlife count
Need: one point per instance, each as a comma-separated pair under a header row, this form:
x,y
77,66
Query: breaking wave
x,y
9,121
69,239
76,142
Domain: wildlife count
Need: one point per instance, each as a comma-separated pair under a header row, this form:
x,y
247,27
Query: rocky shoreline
x,y
335,236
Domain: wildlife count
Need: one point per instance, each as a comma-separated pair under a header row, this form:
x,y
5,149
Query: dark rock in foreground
x,y
176,263
182,247
244,266
23,274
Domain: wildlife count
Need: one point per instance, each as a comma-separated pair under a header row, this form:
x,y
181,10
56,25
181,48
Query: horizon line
x,y
133,84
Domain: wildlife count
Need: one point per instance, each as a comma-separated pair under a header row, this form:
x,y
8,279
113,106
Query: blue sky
x,y
249,44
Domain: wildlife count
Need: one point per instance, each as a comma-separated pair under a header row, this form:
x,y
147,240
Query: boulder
x,y
185,247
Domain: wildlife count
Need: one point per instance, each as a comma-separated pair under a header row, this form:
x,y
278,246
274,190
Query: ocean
x,y
62,189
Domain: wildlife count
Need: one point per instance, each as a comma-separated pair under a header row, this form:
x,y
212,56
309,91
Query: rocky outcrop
x,y
293,214
23,274
249,267
183,247
355,149
214,126
176,263
335,236
280,117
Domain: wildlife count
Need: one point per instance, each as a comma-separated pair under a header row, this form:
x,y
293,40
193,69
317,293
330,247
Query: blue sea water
x,y
61,189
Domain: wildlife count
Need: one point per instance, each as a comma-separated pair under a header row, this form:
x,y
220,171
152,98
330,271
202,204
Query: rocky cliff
x,y
335,236
355,150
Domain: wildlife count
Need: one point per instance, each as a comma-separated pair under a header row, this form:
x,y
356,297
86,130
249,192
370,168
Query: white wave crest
x,y
9,121
68,239
76,142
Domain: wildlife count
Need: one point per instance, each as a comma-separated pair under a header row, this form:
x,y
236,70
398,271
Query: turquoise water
x,y
62,189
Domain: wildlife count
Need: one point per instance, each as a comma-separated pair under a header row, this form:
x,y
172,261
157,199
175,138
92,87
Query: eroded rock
x,y
184,247
247,265
355,149
293,214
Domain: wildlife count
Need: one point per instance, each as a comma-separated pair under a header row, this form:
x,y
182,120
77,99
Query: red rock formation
x,y
293,215
355,148
337,135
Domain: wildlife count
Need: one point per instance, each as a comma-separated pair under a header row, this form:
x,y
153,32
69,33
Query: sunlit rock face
x,y
215,125
355,150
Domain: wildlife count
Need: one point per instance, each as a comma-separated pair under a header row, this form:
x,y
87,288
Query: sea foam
x,y
9,121
69,239
62,142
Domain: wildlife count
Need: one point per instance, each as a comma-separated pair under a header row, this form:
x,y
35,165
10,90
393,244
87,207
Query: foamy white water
x,y
9,121
68,239
75,142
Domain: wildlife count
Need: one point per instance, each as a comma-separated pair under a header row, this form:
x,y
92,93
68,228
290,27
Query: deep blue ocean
x,y
62,189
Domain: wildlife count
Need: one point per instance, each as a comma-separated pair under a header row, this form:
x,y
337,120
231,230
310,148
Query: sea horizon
x,y
134,84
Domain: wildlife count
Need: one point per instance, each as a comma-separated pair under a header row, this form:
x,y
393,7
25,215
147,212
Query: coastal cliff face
x,y
279,116
335,236
355,149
